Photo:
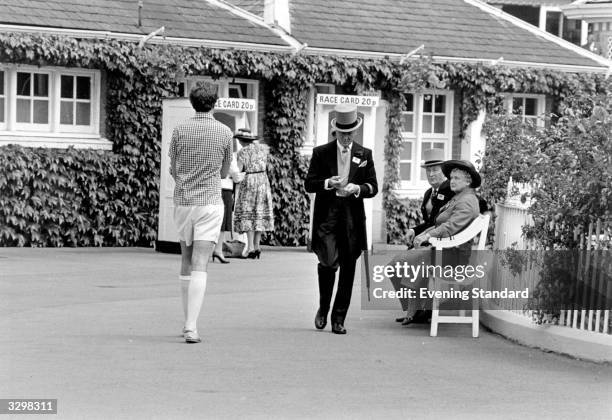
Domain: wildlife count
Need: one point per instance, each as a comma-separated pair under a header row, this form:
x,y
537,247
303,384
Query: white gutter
x,y
277,30
539,32
592,11
190,42
444,59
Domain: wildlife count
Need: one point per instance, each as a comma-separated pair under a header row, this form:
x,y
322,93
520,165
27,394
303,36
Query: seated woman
x,y
454,216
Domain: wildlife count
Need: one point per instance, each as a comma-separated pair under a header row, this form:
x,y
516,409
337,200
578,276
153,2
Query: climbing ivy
x,y
139,78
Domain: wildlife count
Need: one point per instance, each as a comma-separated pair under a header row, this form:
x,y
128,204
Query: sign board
x,y
236,104
327,99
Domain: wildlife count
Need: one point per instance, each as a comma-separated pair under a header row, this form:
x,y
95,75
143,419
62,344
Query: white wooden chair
x,y
480,225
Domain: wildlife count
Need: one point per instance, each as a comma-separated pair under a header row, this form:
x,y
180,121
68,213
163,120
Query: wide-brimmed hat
x,y
244,134
432,157
465,165
346,119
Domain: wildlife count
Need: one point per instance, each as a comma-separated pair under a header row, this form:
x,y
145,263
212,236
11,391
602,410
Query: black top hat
x,y
465,165
244,134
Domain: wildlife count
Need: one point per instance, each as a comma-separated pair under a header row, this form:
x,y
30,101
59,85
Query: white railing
x,y
511,217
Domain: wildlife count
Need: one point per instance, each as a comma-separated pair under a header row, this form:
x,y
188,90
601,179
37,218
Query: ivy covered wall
x,y
52,197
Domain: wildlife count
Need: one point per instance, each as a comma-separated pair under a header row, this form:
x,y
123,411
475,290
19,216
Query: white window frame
x,y
540,106
91,128
224,84
311,128
3,97
14,97
52,134
416,185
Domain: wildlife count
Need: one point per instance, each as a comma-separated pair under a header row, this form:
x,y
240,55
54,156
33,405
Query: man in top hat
x,y
342,174
435,197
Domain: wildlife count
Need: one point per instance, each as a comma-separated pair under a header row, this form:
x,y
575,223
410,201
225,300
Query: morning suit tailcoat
x,y
350,228
442,196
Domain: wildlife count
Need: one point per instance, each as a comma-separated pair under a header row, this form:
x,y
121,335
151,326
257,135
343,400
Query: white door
x,y
365,136
173,112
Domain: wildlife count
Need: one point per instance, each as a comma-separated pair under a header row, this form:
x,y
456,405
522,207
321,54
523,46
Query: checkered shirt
x,y
198,149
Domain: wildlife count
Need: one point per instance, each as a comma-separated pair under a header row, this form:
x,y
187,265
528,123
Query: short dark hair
x,y
203,96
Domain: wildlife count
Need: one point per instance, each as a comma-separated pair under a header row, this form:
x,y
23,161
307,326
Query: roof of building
x,y
530,2
447,28
453,29
181,18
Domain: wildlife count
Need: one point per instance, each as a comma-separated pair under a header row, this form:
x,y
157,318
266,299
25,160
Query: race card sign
x,y
235,104
327,99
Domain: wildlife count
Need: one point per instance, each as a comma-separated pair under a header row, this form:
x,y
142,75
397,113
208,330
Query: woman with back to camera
x,y
453,217
253,213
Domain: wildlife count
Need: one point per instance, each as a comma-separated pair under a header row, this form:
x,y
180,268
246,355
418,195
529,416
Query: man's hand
x,y
238,177
349,189
409,237
335,182
422,238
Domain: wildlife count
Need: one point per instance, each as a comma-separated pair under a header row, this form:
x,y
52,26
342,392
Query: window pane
x,y
82,113
41,85
238,90
1,109
23,111
67,87
517,106
83,87
327,89
427,106
552,22
405,171
530,106
407,122
439,145
1,83
66,112
23,84
41,112
440,103
410,102
427,123
406,153
439,122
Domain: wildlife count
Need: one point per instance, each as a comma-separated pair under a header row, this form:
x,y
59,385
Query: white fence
x,y
511,217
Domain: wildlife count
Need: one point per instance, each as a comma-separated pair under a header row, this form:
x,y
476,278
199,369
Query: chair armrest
x,y
477,226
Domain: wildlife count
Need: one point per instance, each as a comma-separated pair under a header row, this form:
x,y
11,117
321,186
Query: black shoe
x,y
400,319
254,254
408,320
338,328
422,317
221,258
320,320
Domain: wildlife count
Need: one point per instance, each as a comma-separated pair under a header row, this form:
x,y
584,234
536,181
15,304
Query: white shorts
x,y
198,223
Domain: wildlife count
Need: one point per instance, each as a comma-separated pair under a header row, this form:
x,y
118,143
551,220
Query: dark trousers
x,y
336,249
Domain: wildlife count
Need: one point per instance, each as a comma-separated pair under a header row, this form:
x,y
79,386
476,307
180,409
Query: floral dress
x,y
253,211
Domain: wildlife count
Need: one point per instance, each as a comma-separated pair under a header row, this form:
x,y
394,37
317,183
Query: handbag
x,y
233,249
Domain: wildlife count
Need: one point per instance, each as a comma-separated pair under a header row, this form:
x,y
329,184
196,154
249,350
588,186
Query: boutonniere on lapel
x,y
440,197
358,159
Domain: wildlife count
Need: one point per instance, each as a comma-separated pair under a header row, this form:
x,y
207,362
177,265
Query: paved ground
x,y
99,329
